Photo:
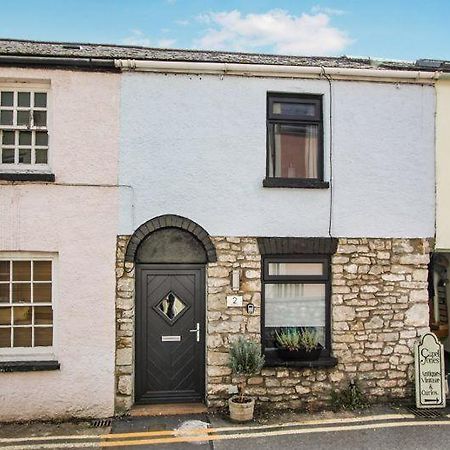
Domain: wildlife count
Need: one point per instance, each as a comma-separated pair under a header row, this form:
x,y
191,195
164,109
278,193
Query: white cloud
x,y
137,37
182,22
275,30
329,11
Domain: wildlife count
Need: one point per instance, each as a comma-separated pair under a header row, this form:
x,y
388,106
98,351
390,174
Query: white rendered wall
x,y
443,165
79,223
196,146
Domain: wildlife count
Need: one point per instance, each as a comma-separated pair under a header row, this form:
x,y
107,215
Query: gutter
x,y
267,70
84,63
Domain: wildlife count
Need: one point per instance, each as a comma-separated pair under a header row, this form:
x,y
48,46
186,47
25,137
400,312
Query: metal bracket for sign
x,y
430,372
170,338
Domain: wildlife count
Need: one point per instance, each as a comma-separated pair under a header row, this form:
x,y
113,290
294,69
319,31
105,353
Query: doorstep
x,y
167,409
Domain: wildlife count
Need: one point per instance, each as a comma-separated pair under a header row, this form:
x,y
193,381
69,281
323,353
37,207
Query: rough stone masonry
x,y
379,307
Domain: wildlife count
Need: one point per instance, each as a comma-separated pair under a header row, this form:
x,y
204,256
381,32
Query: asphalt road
x,y
370,432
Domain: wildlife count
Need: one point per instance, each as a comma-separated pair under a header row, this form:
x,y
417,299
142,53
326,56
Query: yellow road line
x,y
271,433
208,430
259,427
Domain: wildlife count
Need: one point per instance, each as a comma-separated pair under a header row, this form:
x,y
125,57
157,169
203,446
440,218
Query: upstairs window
x,y
294,141
23,128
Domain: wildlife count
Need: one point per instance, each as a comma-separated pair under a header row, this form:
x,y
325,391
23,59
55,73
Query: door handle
x,y
197,331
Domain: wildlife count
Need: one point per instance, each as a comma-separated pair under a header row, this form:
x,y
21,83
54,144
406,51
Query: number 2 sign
x,y
234,301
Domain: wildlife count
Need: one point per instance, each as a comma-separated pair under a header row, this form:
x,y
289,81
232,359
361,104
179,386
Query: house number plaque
x,y
234,301
430,373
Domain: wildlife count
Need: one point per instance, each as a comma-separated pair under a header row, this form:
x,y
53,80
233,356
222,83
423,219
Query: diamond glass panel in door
x,y
294,151
294,305
171,307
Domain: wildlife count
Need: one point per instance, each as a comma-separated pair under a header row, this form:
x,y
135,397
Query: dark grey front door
x,y
170,353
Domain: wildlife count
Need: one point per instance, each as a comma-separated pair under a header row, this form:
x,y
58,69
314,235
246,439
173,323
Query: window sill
x,y
295,183
28,366
22,176
325,361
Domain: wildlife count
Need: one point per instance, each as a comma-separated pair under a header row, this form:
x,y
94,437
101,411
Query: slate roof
x,y
14,47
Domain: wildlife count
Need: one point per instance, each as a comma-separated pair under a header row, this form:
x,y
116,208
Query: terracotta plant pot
x,y
241,412
299,355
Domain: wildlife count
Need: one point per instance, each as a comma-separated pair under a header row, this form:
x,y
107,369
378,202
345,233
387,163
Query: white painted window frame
x,y
34,353
26,86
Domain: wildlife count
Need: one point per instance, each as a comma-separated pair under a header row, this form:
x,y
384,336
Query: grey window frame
x,y
282,119
325,278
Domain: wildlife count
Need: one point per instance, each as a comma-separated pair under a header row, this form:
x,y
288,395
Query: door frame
x,y
200,294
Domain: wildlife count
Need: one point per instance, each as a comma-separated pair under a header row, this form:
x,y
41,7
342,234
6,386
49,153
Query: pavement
x,y
381,428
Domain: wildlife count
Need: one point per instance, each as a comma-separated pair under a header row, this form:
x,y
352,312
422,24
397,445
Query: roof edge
x,y
290,71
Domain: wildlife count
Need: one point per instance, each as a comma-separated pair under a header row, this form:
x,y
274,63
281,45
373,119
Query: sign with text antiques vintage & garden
x,y
430,372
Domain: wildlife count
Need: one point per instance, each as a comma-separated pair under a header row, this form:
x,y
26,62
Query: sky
x,y
386,29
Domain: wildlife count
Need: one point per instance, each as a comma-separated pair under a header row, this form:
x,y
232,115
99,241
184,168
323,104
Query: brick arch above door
x,y
170,221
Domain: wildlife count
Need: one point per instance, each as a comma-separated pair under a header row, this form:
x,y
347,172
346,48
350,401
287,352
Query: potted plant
x,y
296,344
245,359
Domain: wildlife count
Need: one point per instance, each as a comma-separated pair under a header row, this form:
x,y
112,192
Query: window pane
x,y
41,156
294,109
43,315
43,337
25,138
21,293
6,117
295,269
42,292
21,270
25,156
41,138
23,99
4,270
7,99
22,315
23,117
40,118
5,316
296,146
22,337
5,337
42,271
294,151
8,138
4,293
40,99
295,305
8,156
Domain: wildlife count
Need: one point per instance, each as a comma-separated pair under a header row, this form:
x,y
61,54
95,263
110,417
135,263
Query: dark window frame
x,y
280,119
300,279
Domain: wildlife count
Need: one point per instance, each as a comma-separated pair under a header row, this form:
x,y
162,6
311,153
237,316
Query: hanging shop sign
x,y
430,372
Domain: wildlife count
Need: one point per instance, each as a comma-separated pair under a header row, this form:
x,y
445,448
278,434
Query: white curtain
x,y
311,151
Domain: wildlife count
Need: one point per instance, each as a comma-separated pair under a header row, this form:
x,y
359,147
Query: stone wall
x,y
125,286
379,307
226,324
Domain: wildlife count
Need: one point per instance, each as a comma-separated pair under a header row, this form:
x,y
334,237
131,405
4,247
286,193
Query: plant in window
x,y
300,344
245,359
